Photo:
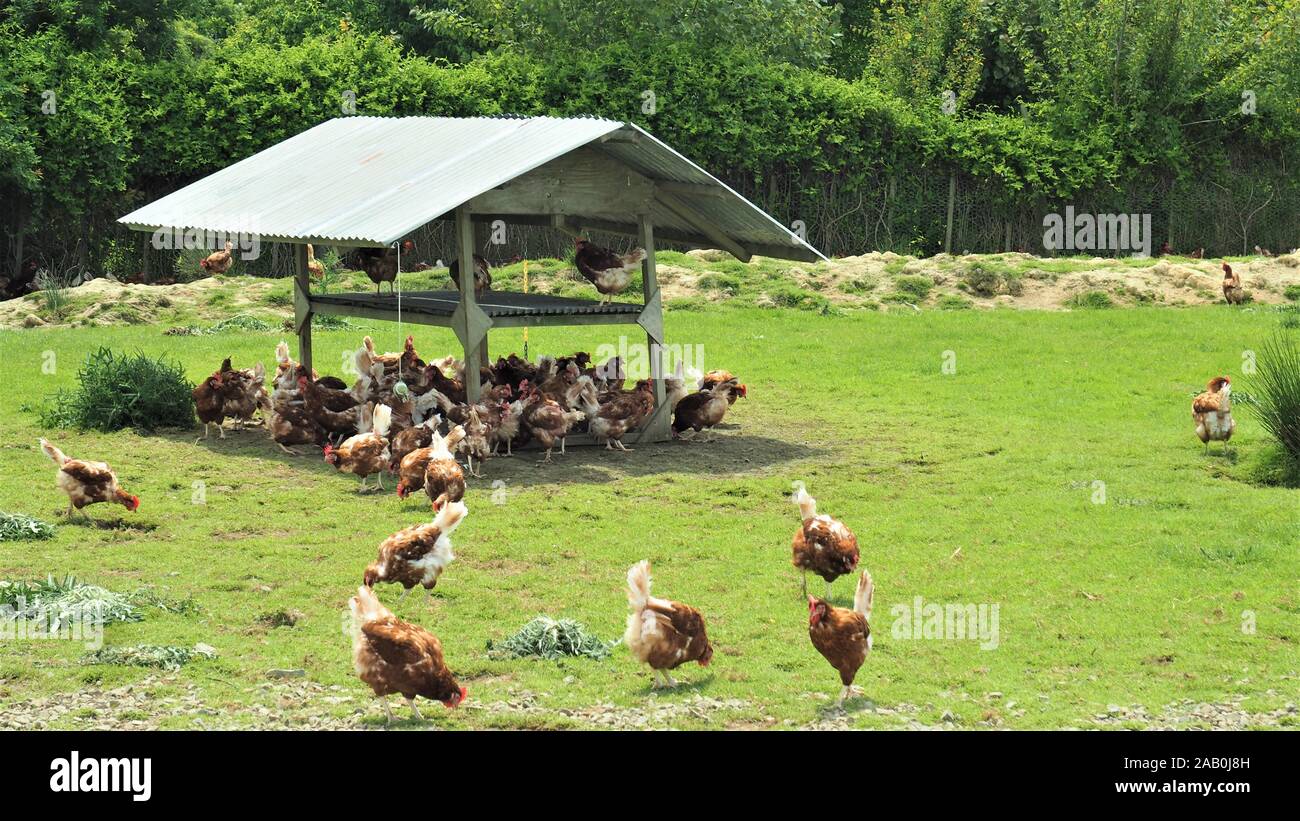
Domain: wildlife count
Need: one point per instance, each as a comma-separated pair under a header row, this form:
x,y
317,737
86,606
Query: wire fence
x,y
921,213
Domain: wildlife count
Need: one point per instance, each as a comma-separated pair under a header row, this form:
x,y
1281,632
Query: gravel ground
x,y
163,700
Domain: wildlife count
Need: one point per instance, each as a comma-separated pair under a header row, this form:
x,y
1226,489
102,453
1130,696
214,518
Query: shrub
x,y
792,296
17,527
954,302
1276,392
1091,299
1292,293
727,284
544,637
124,391
54,291
916,287
982,279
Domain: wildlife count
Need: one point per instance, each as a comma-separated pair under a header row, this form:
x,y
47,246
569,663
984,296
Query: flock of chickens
x,y
411,419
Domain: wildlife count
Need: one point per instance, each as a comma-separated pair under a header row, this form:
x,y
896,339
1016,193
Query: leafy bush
x,y
1292,293
915,287
123,391
69,598
1091,299
16,527
544,637
1276,392
785,295
166,657
726,283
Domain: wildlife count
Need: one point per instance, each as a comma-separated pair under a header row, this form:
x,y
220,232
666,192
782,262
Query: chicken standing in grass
x,y
417,555
663,634
843,636
393,656
822,544
1212,413
87,483
365,454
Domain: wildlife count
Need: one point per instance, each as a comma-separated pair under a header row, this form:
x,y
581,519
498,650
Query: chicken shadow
x,y
683,686
854,704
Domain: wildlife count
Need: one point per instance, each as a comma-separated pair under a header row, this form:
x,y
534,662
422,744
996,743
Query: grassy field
x,y
977,487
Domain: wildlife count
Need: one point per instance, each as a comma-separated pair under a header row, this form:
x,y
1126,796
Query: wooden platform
x,y
504,308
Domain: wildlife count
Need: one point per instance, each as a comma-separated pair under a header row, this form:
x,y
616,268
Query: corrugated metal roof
x,y
373,180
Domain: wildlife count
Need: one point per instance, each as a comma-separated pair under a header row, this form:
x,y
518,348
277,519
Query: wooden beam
x,y
469,321
302,304
690,189
656,427
692,217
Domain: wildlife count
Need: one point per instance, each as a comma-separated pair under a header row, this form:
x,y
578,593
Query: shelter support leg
x,y
302,305
657,426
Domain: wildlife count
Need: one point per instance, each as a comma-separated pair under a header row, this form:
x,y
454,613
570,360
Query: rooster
x,y
379,264
365,454
417,554
393,656
1212,413
609,272
663,634
482,275
843,636
87,483
823,545
218,262
1232,290
735,390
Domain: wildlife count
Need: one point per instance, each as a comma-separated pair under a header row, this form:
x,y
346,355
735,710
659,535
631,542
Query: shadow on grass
x,y
728,452
683,686
854,704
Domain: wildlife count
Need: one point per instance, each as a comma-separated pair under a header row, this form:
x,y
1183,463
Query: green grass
x,y
973,487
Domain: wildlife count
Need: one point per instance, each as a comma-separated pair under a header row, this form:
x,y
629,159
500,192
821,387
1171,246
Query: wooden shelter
x,y
369,182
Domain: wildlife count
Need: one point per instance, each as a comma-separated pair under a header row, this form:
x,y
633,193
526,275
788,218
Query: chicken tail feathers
x,y
450,517
382,419
865,595
282,354
807,504
638,585
54,453
633,259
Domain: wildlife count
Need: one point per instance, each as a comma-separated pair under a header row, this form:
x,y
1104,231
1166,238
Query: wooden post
x,y
952,201
472,335
657,425
302,304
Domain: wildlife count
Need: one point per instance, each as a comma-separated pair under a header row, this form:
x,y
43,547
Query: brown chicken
x,y
314,266
412,439
244,392
663,634
611,421
823,545
419,554
342,423
1232,290
87,483
218,262
482,275
1212,413
444,481
609,272
365,454
702,409
547,421
735,389
209,404
843,636
379,264
393,656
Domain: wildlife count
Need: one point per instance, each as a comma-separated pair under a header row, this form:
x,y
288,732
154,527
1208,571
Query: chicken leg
x,y
844,692
387,710
415,713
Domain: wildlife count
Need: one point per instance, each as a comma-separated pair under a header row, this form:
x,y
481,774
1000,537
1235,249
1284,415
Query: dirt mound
x,y
110,302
